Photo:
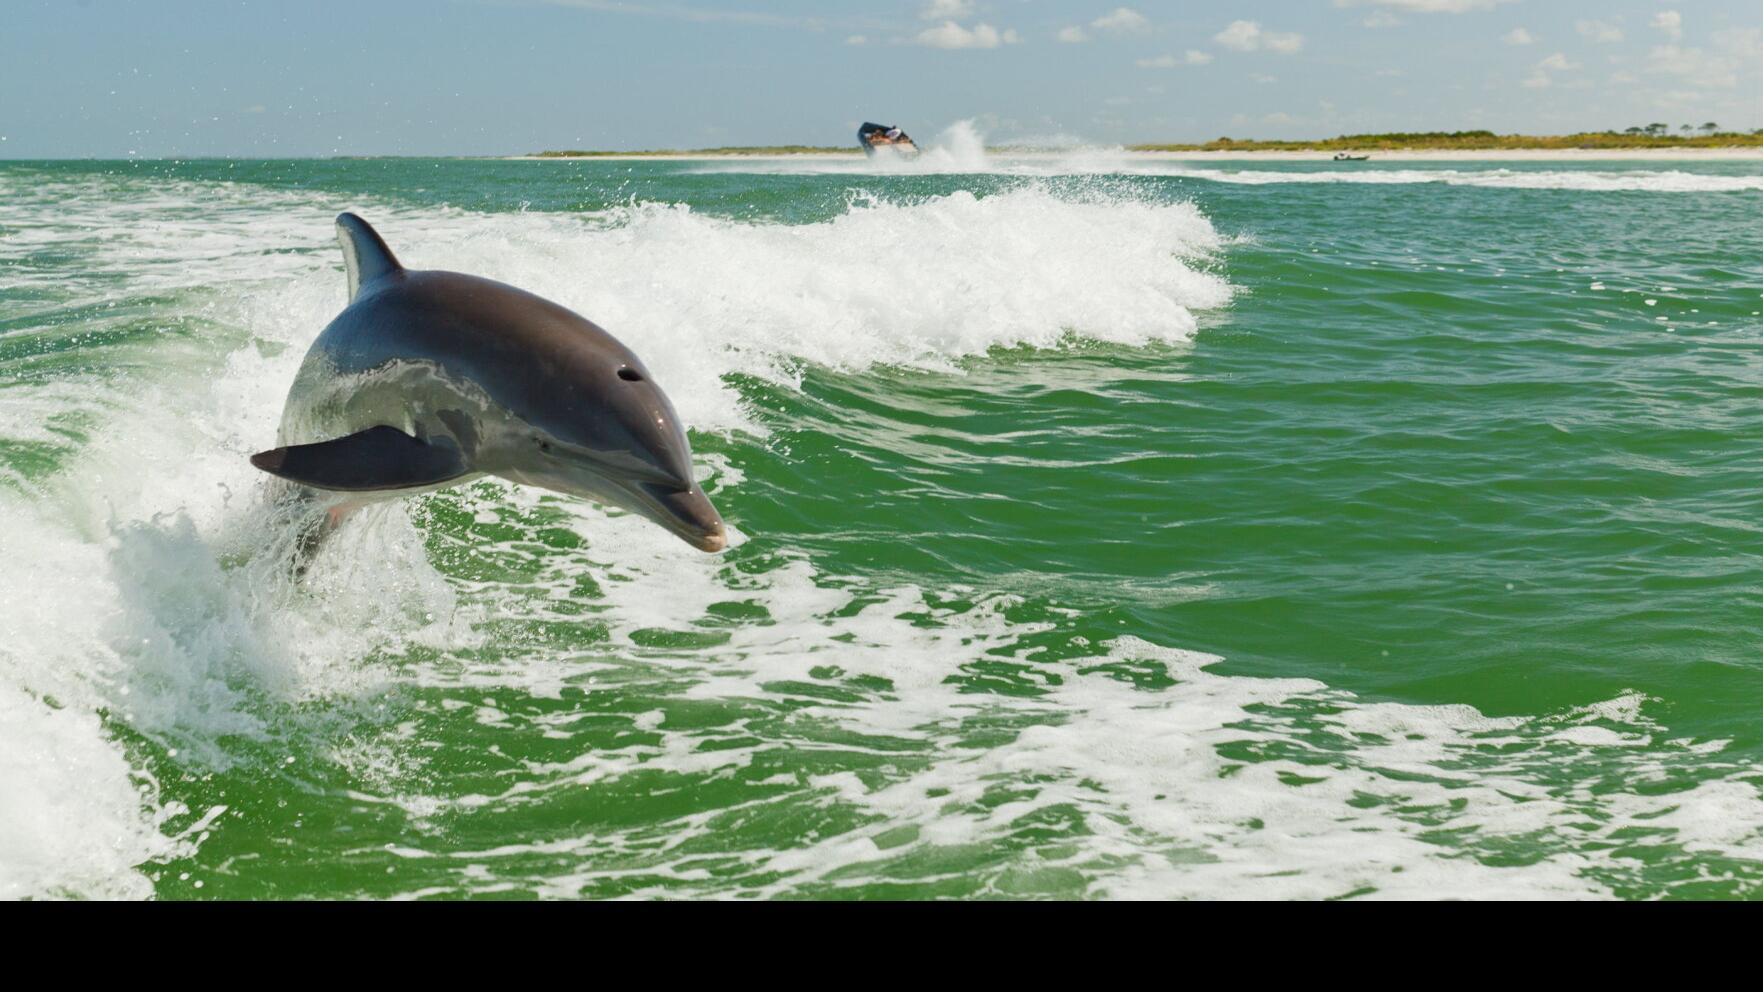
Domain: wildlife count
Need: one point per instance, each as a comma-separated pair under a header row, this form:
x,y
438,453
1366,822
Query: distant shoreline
x,y
1654,141
1735,153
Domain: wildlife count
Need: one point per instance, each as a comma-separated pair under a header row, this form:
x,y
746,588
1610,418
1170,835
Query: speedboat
x,y
876,138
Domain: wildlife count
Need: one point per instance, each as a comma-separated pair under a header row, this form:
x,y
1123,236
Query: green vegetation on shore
x,y
1653,136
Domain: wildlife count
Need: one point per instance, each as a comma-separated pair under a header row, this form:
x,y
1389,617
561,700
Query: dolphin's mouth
x,y
712,542
685,512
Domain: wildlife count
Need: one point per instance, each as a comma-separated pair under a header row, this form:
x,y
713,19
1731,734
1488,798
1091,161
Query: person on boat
x,y
873,136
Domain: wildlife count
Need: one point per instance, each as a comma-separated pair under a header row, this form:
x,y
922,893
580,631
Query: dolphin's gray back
x,y
487,337
442,354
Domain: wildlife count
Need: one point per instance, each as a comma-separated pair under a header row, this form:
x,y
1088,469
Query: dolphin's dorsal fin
x,y
365,255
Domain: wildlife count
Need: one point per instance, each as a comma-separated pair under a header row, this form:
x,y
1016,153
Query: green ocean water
x,y
1108,527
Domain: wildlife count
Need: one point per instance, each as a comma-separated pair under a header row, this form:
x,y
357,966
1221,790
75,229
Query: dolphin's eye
x,y
630,375
544,446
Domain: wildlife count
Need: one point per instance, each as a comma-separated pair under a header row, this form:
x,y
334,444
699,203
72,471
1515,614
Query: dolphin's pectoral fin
x,y
365,255
374,459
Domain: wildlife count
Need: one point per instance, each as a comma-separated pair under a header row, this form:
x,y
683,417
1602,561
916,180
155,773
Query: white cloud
x,y
1244,36
703,15
1746,43
1428,6
1277,117
1601,32
1190,57
952,35
1381,19
1122,19
945,10
1247,36
1519,36
1539,77
1670,22
1707,70
1284,44
857,39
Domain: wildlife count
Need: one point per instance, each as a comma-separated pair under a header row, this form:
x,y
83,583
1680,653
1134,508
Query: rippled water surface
x,y
1107,526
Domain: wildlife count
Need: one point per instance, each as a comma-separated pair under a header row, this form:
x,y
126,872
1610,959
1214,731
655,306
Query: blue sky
x,y
319,77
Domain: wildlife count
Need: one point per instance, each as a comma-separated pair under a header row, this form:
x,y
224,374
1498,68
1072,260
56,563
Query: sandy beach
x,y
1490,155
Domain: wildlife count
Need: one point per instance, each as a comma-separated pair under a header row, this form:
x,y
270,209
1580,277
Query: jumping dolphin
x,y
430,379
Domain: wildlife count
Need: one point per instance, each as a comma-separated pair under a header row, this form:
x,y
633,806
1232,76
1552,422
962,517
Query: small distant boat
x,y
1344,157
877,137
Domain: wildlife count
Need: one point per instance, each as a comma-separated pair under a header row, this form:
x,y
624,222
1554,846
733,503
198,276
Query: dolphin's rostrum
x,y
429,379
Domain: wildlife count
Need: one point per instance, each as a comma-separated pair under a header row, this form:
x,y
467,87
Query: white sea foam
x,y
1092,163
1638,180
1155,789
117,598
925,282
75,818
124,594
